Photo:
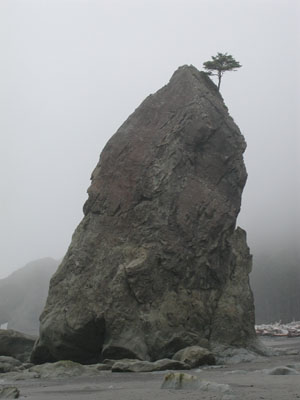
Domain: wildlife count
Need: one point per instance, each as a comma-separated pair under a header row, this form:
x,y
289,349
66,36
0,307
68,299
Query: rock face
x,y
156,264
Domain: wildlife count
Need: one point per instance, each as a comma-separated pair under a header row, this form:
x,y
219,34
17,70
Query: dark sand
x,y
247,382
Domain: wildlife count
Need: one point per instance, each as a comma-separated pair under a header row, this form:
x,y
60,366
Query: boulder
x,y
8,364
16,344
129,365
157,264
195,356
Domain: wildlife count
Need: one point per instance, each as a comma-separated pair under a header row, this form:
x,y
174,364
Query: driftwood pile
x,y
291,329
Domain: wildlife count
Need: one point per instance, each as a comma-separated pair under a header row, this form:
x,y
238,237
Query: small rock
x,y
236,372
195,356
180,380
109,361
214,387
164,364
281,371
98,367
11,360
129,365
9,392
229,397
21,375
59,369
234,355
294,366
292,352
8,364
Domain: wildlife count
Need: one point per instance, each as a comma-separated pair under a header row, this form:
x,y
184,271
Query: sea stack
x,y
157,263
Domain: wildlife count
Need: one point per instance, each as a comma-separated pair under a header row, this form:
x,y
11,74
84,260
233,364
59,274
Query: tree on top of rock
x,y
219,64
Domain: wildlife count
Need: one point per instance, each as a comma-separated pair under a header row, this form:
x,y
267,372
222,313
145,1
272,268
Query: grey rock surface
x,y
157,264
195,356
16,344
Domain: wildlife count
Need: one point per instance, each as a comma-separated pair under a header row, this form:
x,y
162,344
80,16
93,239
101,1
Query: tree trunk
x,y
219,82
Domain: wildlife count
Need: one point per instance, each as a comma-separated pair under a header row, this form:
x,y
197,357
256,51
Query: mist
x,y
72,71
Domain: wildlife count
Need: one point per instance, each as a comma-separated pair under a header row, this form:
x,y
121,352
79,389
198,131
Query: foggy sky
x,y
72,71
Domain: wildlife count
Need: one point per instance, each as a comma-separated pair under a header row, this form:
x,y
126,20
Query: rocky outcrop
x,y
156,264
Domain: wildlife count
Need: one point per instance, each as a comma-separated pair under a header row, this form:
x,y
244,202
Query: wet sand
x,y
247,382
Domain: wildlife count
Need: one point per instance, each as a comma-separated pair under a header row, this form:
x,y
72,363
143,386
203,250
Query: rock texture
x,y
157,265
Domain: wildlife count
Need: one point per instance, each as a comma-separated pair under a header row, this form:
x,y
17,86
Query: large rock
x,y
16,344
156,264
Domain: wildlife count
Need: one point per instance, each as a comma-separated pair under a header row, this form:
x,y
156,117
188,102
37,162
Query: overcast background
x,y
72,71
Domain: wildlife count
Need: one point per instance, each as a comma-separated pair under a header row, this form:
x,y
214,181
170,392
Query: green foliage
x,y
220,64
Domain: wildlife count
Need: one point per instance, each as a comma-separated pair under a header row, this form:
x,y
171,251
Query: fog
x,y
72,71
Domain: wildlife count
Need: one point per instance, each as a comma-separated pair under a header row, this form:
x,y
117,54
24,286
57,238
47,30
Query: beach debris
x,y
291,329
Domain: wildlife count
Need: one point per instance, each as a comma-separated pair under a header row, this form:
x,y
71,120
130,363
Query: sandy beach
x,y
248,381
